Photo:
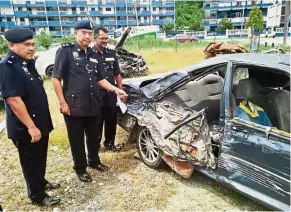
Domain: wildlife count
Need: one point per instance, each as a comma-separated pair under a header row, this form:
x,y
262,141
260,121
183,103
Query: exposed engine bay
x,y
131,64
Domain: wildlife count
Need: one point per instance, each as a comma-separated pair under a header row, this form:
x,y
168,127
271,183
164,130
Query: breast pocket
x,y
74,98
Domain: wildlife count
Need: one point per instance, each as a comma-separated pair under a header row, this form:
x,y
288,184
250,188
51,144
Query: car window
x,y
158,86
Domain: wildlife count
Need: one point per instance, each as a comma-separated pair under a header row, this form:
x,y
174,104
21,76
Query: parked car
x,y
182,38
130,64
188,120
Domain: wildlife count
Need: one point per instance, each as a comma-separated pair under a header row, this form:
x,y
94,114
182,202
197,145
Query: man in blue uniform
x,y
27,113
77,66
111,72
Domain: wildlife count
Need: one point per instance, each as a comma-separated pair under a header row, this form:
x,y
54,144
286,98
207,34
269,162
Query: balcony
x,y
121,22
5,3
156,3
145,13
22,24
68,23
130,13
38,14
82,13
7,24
157,22
109,23
80,3
51,3
21,13
54,23
108,4
37,4
38,23
108,14
52,13
121,12
120,3
66,13
216,22
167,13
169,4
132,23
95,13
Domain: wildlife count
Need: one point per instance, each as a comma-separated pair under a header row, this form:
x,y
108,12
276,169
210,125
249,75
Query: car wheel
x,y
148,151
49,71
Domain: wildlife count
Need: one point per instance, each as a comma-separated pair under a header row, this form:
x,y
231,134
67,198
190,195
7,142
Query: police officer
x,y
27,113
111,72
77,66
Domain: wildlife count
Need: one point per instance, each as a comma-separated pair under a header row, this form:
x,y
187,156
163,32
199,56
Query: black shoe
x,y
101,167
113,148
52,186
84,177
48,201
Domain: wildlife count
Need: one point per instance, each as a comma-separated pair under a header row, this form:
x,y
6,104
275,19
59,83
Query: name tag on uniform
x,y
109,59
93,60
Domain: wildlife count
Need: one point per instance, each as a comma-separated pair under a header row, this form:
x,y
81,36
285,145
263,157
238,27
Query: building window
x,y
82,8
108,9
20,9
22,19
145,18
154,9
92,9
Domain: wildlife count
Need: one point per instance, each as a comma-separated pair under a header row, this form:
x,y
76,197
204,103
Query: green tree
x,y
3,46
256,20
45,40
189,15
225,24
168,27
68,39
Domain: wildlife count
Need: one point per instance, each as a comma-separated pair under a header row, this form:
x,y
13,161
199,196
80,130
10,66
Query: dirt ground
x,y
129,185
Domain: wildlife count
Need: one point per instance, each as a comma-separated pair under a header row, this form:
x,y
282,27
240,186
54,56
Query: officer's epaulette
x,y
10,60
67,44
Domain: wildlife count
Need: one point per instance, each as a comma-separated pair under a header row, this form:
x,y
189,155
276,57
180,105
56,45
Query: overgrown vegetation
x,y
256,19
189,15
225,24
3,46
45,40
168,27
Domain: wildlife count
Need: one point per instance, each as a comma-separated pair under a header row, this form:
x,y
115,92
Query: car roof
x,y
277,61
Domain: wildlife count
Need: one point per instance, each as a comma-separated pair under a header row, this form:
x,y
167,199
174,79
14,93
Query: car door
x,y
253,159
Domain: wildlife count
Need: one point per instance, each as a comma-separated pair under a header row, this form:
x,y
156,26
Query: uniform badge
x,y
75,54
93,60
109,59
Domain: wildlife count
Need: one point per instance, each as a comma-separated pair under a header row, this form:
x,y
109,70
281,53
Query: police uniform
x,y
19,78
80,74
110,69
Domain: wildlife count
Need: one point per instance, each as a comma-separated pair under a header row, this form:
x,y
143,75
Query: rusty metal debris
x,y
214,49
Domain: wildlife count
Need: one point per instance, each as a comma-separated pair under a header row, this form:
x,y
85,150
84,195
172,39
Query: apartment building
x,y
59,16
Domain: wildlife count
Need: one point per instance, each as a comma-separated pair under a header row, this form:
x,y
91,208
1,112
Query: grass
x,y
129,185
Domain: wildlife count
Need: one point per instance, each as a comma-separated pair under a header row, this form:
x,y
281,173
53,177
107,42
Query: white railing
x,y
281,29
238,32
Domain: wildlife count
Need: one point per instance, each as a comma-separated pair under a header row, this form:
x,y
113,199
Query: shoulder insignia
x,y
67,44
10,60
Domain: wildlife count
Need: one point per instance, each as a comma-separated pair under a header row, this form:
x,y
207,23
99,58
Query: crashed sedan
x,y
227,117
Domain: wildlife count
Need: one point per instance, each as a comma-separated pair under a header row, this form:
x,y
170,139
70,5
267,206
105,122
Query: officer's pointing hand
x,y
34,133
121,93
65,109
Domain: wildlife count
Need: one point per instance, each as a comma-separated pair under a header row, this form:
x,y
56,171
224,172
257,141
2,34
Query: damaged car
x,y
130,64
227,117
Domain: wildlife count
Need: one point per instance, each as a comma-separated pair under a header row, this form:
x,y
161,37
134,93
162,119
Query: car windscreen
x,y
161,85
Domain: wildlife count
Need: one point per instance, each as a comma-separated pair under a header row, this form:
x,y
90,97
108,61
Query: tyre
x,y
49,71
148,151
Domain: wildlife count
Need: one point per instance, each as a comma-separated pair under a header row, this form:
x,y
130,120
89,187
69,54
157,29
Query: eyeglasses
x,y
103,39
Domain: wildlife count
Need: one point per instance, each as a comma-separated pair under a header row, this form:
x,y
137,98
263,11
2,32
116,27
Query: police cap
x,y
85,24
18,35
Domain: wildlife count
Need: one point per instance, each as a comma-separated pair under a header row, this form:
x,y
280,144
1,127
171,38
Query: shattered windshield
x,y
161,85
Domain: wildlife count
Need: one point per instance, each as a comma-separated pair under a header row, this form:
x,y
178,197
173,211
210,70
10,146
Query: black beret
x,y
85,24
18,35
